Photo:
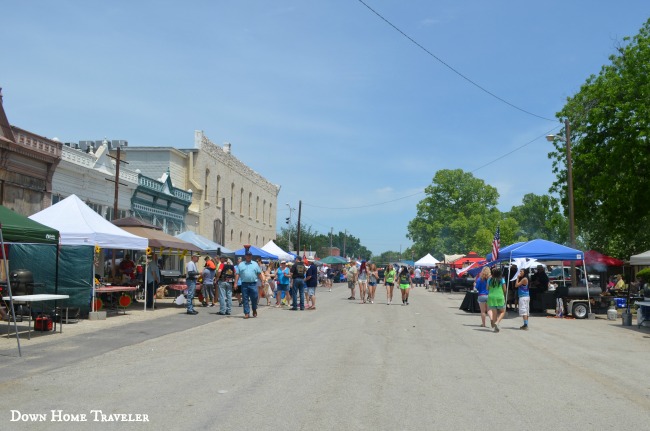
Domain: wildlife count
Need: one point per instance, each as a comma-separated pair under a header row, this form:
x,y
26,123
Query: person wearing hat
x,y
283,283
226,278
298,273
192,275
352,274
311,281
249,272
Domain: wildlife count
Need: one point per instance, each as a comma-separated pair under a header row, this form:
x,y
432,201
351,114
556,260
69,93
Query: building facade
x,y
27,165
231,204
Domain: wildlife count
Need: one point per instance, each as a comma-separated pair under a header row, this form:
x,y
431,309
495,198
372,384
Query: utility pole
x,y
331,231
118,161
299,215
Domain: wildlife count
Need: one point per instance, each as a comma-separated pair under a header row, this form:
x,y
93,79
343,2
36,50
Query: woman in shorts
x,y
496,299
524,296
481,287
389,281
282,276
404,280
363,281
373,276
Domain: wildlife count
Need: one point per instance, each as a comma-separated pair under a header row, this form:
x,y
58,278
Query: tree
x,y
540,217
610,130
458,215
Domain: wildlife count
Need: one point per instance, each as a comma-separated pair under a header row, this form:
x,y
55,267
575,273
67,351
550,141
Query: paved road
x,y
426,366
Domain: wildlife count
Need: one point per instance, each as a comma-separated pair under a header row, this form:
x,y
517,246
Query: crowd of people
x,y
289,284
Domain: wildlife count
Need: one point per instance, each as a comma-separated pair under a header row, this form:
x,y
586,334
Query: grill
x,y
22,282
169,276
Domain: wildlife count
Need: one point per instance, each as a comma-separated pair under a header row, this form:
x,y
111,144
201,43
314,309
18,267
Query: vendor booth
x,y
19,232
543,250
83,234
210,247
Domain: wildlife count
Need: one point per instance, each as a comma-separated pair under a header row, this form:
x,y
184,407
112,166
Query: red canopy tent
x,y
594,258
467,260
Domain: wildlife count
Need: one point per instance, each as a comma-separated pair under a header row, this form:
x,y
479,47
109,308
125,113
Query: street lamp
x,y
569,173
291,210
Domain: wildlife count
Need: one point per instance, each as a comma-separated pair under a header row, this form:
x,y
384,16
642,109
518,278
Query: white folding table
x,y
29,299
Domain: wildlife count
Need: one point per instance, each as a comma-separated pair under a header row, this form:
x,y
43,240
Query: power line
x,y
420,192
451,68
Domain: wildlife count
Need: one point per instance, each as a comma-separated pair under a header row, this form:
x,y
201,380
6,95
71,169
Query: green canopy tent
x,y
16,228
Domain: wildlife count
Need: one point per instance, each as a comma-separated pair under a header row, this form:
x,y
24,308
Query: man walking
x,y
311,280
192,275
226,277
153,278
298,272
249,272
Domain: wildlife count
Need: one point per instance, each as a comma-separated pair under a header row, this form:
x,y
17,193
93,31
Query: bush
x,y
644,275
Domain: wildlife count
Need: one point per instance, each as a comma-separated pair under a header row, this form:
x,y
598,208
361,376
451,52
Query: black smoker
x,y
22,282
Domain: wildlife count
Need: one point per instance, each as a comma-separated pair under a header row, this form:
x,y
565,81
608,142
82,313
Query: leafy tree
x,y
610,129
458,215
540,217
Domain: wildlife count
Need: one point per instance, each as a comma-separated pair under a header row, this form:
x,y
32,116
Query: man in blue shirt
x,y
249,272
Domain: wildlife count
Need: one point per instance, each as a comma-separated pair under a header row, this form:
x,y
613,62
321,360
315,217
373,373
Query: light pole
x,y
291,210
569,178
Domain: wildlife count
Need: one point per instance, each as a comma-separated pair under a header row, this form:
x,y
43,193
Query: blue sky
x,y
321,97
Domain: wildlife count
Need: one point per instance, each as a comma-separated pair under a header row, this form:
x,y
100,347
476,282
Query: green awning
x,y
18,228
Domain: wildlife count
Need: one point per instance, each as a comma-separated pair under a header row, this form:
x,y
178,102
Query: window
x,y
232,235
241,236
250,201
206,181
217,188
264,211
241,201
270,213
232,194
257,209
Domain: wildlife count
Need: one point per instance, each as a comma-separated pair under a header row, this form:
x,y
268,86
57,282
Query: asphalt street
x,y
345,365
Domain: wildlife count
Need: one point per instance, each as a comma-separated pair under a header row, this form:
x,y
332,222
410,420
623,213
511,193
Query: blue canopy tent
x,y
256,252
540,249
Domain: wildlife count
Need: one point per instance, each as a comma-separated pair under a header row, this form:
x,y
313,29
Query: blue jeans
x,y
298,288
191,287
249,291
225,297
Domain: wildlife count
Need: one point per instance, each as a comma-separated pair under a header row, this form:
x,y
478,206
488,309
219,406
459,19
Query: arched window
x,y
241,235
216,235
249,239
217,188
232,235
257,240
232,194
264,211
241,201
250,202
270,213
257,209
205,185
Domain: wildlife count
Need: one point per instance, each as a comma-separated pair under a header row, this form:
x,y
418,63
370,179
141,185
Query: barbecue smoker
x,y
22,282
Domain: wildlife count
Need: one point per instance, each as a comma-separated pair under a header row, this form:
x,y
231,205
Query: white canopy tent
x,y
427,260
78,224
642,259
273,248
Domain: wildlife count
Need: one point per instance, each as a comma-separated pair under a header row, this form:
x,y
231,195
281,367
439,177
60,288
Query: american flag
x,y
496,244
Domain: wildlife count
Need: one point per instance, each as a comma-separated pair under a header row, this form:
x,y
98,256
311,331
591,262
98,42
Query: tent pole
x,y
146,270
11,296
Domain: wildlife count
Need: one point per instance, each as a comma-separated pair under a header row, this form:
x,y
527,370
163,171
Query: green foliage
x,y
610,129
540,217
458,215
644,274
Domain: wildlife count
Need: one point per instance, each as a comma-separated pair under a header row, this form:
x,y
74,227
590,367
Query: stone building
x,y
27,165
231,203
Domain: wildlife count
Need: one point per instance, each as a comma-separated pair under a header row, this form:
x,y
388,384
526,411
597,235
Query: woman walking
x,y
373,276
363,281
496,299
389,281
481,287
404,279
